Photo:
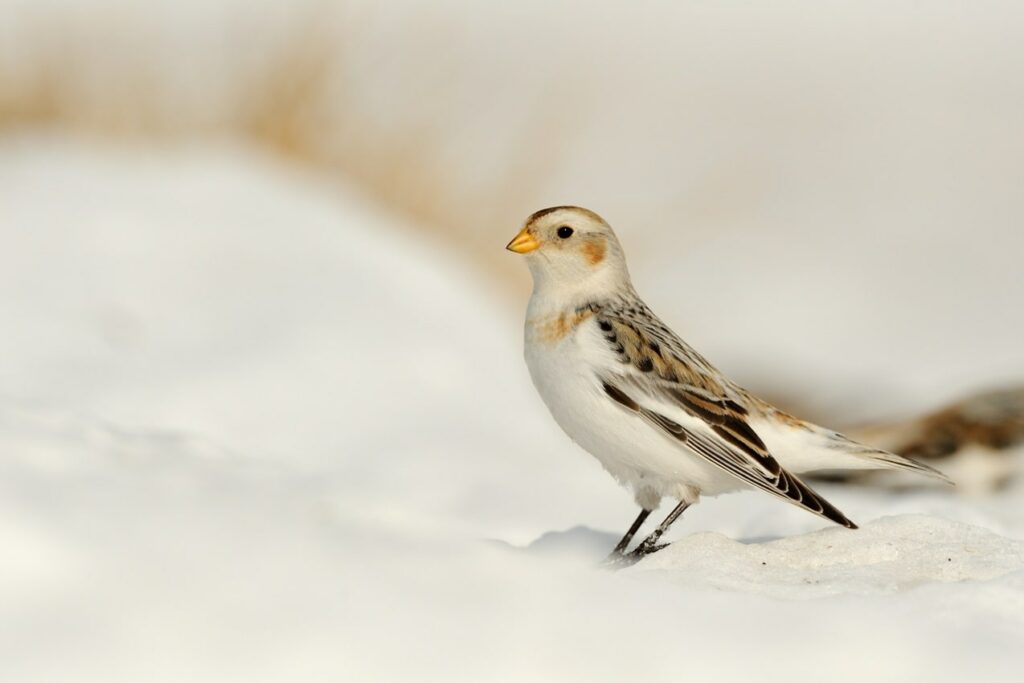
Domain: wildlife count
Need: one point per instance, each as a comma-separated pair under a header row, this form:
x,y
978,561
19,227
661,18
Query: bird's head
x,y
572,250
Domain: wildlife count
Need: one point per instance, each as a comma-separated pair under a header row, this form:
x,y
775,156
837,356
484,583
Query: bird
x,y
660,418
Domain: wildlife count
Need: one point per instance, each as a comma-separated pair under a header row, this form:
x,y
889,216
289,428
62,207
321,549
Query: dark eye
x,y
565,232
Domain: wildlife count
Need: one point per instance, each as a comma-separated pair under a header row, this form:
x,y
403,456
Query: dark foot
x,y
620,560
644,550
634,527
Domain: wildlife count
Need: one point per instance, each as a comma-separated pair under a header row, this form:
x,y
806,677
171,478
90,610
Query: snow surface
x,y
890,554
251,429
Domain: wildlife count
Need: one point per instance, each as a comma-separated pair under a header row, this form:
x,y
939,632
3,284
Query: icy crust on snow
x,y
884,556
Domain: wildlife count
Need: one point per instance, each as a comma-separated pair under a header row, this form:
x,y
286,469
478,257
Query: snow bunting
x,y
658,416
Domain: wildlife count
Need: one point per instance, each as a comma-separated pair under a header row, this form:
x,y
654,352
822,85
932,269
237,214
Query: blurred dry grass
x,y
297,108
465,120
39,92
55,85
295,105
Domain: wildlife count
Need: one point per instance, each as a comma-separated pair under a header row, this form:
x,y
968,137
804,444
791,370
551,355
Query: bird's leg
x,y
650,544
634,527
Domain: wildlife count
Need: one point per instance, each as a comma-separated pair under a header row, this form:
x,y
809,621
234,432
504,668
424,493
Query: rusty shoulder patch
x,y
552,329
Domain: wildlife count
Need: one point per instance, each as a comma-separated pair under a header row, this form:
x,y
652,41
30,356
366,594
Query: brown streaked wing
x,y
669,368
781,483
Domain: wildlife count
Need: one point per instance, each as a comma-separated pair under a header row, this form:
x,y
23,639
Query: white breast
x,y
565,371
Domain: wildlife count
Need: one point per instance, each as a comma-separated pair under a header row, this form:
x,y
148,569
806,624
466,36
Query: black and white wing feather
x,y
656,369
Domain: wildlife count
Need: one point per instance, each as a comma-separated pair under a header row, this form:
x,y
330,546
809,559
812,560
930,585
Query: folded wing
x,y
655,368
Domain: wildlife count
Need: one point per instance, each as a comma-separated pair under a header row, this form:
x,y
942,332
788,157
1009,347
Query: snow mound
x,y
885,556
251,430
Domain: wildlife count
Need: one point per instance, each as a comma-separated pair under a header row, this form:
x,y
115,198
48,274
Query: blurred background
x,y
261,389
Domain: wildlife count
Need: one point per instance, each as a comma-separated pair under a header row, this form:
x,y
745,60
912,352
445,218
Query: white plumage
x,y
660,418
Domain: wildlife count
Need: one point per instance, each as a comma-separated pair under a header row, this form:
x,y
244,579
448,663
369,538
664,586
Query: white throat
x,y
555,292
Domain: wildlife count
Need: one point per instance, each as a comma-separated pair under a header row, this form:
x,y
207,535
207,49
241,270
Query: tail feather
x,y
806,447
890,461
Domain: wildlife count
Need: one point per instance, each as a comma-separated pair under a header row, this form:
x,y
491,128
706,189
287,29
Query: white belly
x,y
633,451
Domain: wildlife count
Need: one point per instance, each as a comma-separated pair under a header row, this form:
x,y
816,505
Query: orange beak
x,y
523,243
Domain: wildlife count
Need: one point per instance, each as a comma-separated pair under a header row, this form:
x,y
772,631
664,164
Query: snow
x,y
251,427
888,555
